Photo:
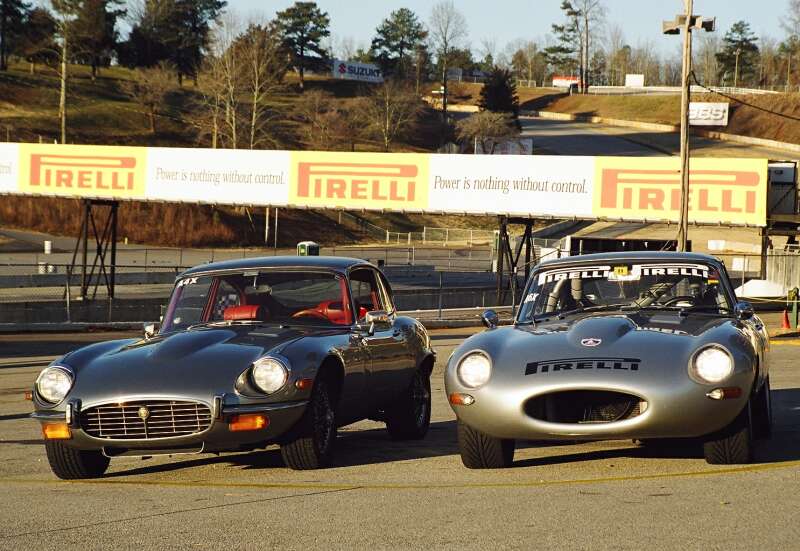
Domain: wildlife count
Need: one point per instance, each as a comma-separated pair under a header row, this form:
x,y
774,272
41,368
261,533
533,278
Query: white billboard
x,y
564,81
351,70
9,161
708,114
200,175
558,186
634,81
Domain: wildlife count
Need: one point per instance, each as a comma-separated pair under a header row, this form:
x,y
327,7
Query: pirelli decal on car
x,y
622,273
570,364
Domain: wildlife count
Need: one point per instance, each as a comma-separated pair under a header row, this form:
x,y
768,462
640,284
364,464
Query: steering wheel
x,y
682,298
310,314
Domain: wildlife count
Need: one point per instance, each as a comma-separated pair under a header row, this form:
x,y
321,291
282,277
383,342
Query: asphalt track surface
x,y
578,138
384,494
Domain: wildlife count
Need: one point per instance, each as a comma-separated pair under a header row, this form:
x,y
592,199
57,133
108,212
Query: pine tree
x,y
499,93
12,18
739,56
38,40
303,26
398,36
95,32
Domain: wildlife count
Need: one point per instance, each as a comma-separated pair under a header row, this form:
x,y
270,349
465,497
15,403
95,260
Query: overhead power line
x,y
742,102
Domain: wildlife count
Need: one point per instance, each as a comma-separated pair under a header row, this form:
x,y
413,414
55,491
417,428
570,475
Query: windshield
x,y
563,290
259,296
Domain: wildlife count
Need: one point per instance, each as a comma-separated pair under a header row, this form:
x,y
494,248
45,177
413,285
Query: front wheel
x,y
734,443
311,445
409,417
481,451
72,464
762,412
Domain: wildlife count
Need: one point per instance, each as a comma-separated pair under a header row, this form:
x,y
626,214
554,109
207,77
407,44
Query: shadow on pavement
x,y
353,448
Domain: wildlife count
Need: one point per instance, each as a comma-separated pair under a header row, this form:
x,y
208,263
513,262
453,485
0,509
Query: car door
x,y
386,345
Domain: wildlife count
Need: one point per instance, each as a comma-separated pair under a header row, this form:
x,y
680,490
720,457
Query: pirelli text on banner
x,y
728,191
80,171
359,180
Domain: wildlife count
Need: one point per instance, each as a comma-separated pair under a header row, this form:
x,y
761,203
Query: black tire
x,y
733,444
481,451
310,446
762,412
409,417
72,464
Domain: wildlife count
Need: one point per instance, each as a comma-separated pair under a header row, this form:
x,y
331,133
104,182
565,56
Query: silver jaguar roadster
x,y
644,346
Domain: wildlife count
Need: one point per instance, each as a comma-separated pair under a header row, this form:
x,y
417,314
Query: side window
x,y
387,293
367,294
227,296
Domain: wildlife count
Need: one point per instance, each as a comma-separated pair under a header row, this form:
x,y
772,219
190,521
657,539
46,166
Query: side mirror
x,y
490,319
743,310
377,318
150,330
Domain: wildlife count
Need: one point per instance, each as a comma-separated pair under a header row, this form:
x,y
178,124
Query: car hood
x,y
651,338
199,363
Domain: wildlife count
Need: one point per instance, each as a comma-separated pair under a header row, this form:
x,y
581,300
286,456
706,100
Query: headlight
x,y
474,369
53,384
269,374
712,364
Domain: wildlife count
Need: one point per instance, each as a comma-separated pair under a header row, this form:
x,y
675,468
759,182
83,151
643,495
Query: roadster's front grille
x,y
143,420
585,406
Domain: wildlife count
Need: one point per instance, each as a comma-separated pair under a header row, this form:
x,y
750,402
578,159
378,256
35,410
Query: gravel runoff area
x,y
417,495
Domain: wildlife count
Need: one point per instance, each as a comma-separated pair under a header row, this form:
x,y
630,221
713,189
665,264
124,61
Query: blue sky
x,y
507,20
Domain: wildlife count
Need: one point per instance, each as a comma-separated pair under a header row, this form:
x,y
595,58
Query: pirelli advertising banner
x,y
727,191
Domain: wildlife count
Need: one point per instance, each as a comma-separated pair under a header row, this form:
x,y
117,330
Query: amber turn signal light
x,y
56,431
29,395
460,399
304,384
240,423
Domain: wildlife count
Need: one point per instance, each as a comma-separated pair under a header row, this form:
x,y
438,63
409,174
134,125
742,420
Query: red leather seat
x,y
243,312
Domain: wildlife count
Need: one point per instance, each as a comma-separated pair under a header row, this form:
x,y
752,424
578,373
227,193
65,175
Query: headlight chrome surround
x,y
54,383
711,364
269,374
474,369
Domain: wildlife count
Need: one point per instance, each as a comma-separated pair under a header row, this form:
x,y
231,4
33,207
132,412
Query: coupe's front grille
x,y
142,420
585,406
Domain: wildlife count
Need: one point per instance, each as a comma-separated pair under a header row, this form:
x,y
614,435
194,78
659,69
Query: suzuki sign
x,y
350,70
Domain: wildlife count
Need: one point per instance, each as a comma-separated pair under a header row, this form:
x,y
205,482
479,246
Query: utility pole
x,y
686,22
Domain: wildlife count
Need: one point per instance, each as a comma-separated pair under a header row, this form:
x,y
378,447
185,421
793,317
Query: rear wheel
x,y
70,464
762,412
409,417
734,443
311,445
481,451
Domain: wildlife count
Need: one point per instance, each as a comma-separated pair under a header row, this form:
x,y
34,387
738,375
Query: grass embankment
x,y
743,119
100,112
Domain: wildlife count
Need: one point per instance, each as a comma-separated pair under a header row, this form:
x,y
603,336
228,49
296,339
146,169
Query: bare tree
x,y
488,128
320,116
263,65
448,28
791,22
391,111
705,58
590,15
149,88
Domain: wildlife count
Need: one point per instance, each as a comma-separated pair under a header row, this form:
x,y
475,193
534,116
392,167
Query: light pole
x,y
738,52
687,22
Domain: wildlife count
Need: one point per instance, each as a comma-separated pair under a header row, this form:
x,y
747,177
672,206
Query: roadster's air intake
x,y
585,406
144,420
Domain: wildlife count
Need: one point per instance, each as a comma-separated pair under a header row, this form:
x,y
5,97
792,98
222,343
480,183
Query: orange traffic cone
x,y
785,322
